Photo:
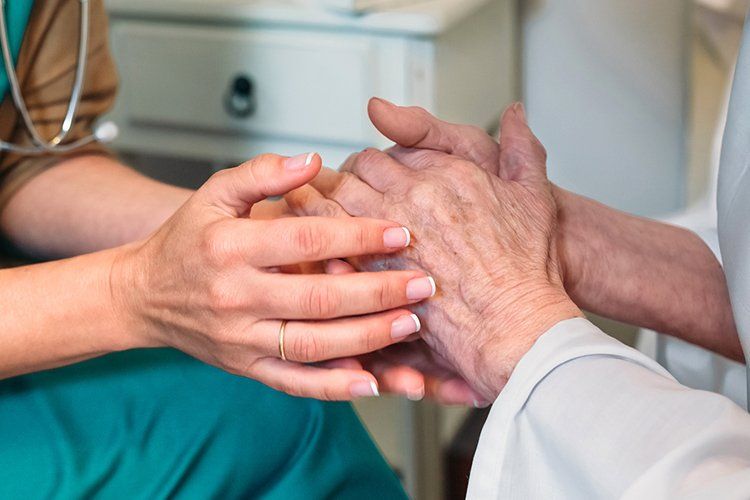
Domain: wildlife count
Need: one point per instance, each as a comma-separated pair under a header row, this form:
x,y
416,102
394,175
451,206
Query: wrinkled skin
x,y
488,241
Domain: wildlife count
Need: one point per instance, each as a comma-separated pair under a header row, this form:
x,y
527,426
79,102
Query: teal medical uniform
x,y
158,424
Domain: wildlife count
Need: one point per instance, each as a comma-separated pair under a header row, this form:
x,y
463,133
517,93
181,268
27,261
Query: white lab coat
x,y
584,416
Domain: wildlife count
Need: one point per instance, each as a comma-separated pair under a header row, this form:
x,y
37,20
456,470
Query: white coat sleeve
x,y
584,416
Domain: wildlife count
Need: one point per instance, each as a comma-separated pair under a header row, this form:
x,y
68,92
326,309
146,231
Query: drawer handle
x,y
240,100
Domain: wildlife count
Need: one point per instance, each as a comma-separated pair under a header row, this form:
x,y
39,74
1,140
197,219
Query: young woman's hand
x,y
210,283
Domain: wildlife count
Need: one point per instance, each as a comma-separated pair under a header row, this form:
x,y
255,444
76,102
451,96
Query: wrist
x,y
127,291
517,323
577,241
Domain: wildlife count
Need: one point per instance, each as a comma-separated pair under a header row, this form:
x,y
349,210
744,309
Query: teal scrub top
x,y
17,13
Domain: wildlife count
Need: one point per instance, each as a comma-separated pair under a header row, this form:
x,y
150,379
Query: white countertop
x,y
421,17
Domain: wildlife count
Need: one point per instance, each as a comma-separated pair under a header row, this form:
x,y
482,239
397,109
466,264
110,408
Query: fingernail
x,y
404,326
397,237
417,395
481,404
520,111
421,288
364,389
299,162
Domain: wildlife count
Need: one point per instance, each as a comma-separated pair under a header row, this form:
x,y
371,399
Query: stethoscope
x,y
104,132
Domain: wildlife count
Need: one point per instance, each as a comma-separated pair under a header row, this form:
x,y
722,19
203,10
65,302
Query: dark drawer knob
x,y
240,100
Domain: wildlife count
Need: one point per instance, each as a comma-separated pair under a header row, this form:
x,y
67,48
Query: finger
x,y
354,195
313,382
307,201
522,156
414,127
393,379
312,239
343,363
399,379
313,342
380,171
454,391
235,190
325,297
338,266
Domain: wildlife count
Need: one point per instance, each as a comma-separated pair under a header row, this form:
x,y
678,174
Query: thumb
x,y
235,190
414,127
522,156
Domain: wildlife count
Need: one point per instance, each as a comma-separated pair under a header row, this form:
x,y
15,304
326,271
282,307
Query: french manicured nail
x,y
481,404
364,389
417,395
299,162
405,326
397,237
421,288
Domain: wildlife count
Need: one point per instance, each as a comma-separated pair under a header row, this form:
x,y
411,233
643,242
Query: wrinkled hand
x,y
488,241
408,369
415,128
209,283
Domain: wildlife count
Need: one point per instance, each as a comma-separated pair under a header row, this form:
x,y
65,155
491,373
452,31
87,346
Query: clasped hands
x,y
483,219
228,273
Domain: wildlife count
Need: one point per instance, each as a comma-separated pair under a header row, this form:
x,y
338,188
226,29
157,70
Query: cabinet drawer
x,y
303,85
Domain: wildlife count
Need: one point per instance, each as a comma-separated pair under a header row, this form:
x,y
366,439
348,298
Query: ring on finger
x,y
282,332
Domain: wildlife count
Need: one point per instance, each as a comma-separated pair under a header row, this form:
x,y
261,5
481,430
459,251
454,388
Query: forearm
x,y
92,203
59,313
645,273
87,204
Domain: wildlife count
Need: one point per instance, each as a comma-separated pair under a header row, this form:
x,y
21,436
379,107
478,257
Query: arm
x,y
627,268
645,273
204,283
578,415
85,204
90,203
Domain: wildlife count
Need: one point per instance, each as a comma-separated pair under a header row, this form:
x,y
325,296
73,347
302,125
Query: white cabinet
x,y
299,75
220,81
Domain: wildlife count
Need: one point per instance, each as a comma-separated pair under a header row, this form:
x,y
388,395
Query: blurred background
x,y
628,96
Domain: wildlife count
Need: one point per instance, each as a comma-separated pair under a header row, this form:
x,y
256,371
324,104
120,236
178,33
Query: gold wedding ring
x,y
282,331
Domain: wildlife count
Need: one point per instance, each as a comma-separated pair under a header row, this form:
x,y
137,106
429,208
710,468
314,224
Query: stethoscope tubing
x,y
55,144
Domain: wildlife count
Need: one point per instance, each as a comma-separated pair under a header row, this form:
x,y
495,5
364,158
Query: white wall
x,y
606,86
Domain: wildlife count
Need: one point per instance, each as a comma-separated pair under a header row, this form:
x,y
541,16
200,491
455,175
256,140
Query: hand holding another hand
x,y
210,283
488,241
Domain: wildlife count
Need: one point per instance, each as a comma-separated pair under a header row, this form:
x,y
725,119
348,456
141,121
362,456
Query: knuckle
x,y
319,302
307,348
371,339
362,237
422,113
220,176
221,297
384,295
289,387
464,169
366,158
310,243
328,394
331,209
216,244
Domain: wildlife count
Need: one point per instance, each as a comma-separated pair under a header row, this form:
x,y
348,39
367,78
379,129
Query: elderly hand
x,y
415,128
488,241
209,283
